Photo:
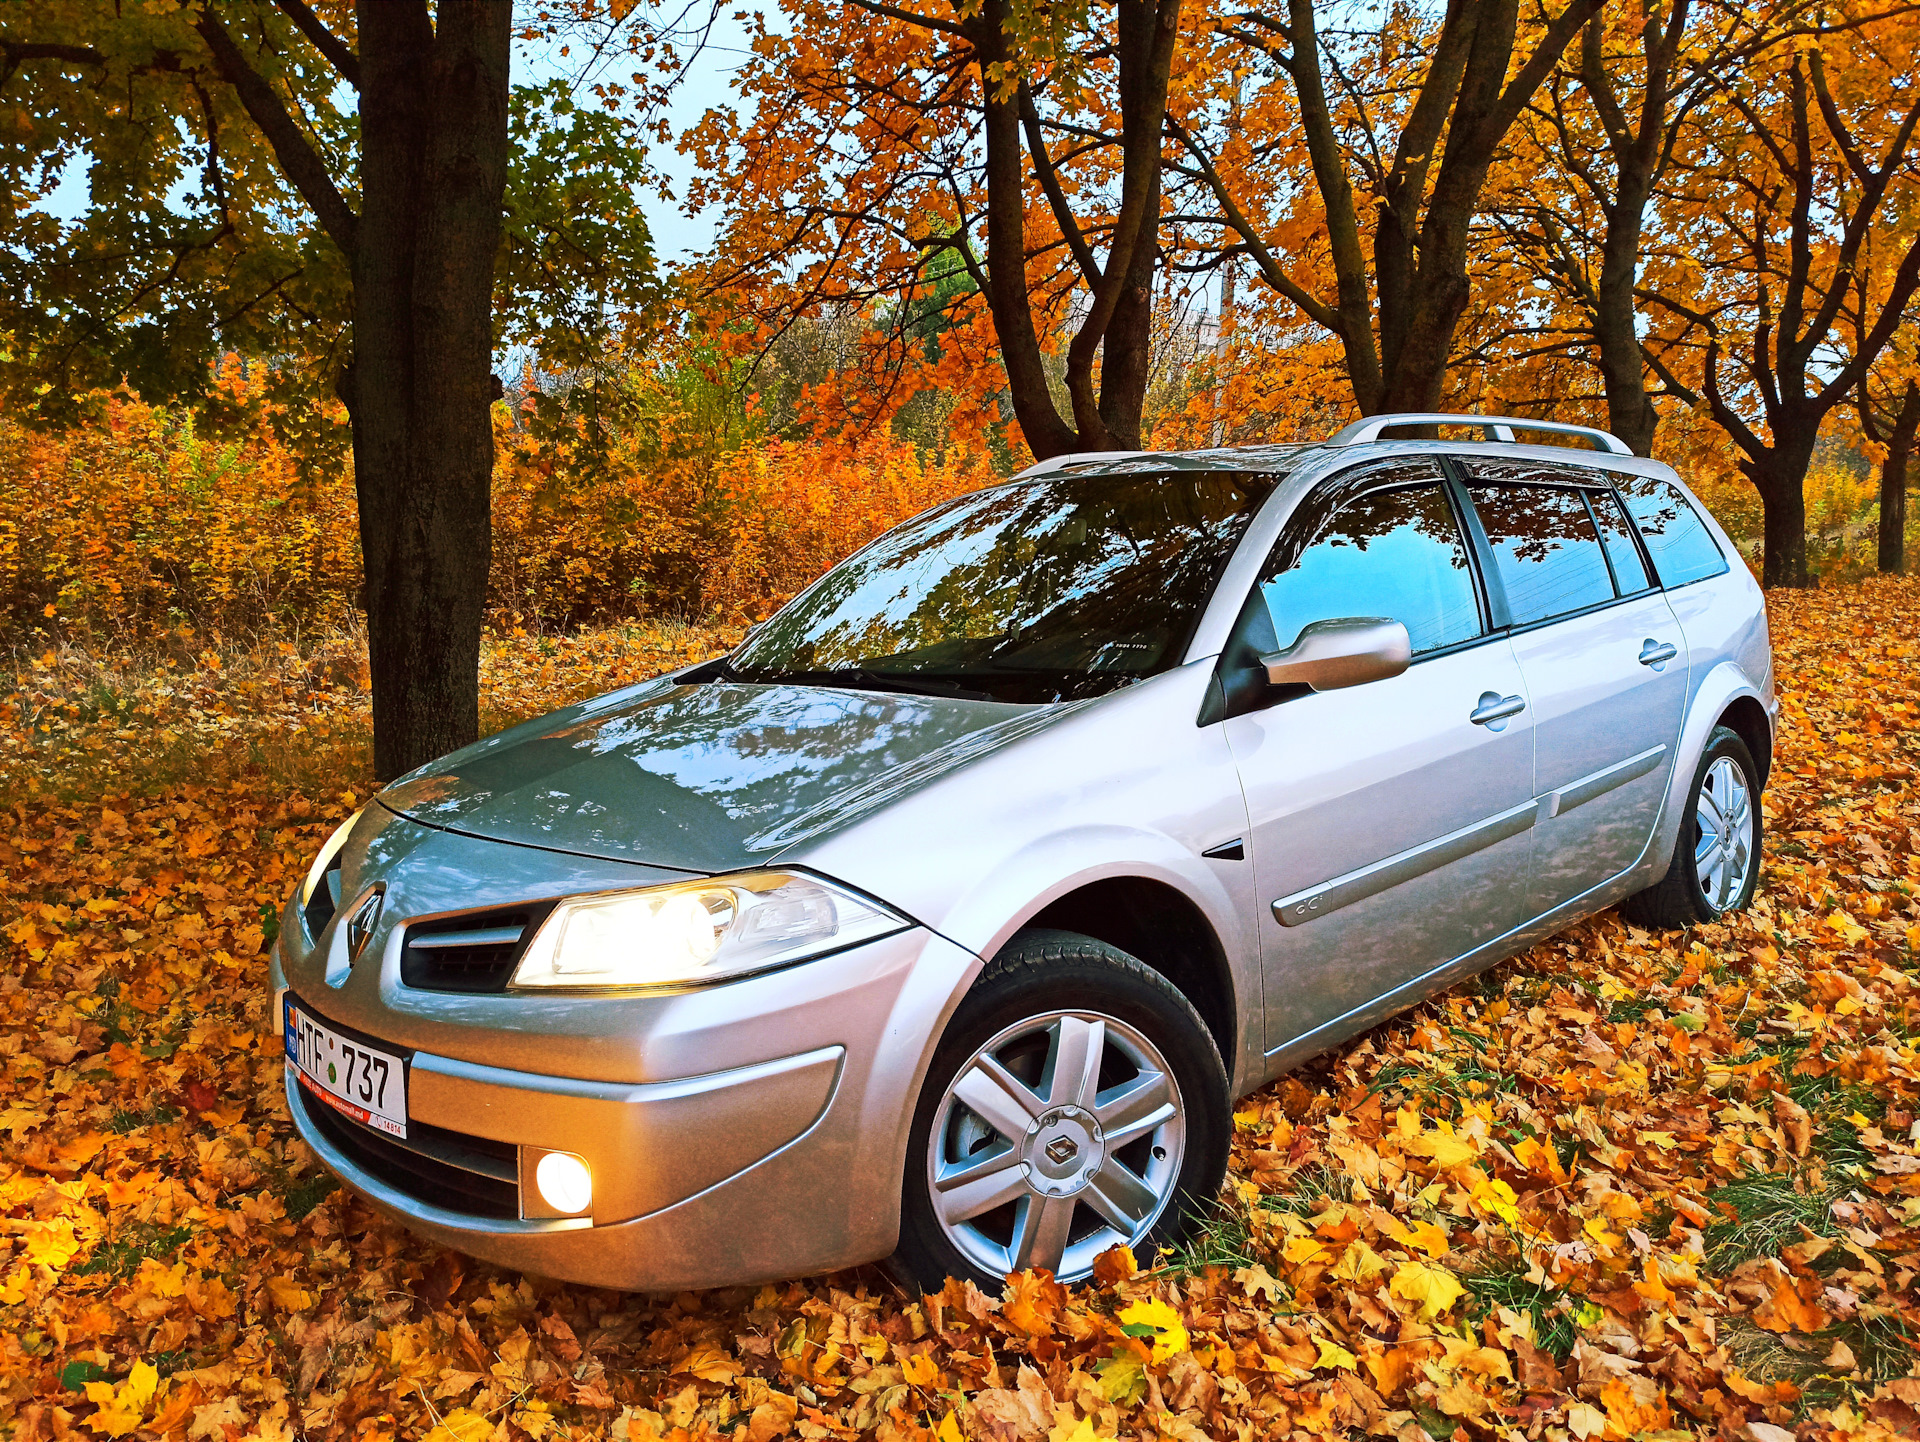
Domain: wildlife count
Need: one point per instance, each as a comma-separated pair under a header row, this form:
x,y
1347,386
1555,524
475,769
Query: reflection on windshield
x,y
1049,589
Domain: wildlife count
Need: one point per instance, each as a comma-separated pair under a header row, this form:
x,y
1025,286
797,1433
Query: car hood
x,y
705,777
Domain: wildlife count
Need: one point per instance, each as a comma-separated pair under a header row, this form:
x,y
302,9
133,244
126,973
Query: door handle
x,y
1494,709
1657,653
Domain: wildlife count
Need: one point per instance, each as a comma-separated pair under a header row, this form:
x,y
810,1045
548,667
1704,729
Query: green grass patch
x,y
121,1257
1882,1346
302,1194
1758,1215
124,1121
1502,1282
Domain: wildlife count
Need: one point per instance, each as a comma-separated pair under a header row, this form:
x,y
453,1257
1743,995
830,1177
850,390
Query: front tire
x,y
1076,1102
1716,861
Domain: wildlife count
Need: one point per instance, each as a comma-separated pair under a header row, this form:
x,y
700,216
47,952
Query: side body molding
x,y
1313,902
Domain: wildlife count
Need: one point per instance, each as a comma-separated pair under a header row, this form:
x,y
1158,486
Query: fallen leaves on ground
x,y
1627,1185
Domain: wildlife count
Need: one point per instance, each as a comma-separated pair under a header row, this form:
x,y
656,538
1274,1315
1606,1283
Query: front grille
x,y
445,1169
473,952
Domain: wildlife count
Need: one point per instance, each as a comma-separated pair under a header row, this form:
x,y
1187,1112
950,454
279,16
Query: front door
x,y
1389,821
1605,666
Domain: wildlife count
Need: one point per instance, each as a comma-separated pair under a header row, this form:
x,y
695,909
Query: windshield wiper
x,y
860,678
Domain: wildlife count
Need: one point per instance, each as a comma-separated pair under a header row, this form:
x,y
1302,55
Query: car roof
x,y
1362,437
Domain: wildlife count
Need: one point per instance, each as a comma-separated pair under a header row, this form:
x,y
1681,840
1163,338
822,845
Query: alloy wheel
x,y
1723,851
1058,1138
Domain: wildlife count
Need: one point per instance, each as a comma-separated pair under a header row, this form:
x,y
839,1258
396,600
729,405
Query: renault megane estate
x,y
941,921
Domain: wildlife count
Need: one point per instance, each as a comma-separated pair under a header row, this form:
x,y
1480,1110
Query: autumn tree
x,y
1400,127
1602,132
339,188
888,145
1800,173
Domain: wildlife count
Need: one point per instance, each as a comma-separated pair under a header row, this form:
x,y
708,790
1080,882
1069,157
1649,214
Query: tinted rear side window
x,y
1682,547
1397,554
1545,549
1629,571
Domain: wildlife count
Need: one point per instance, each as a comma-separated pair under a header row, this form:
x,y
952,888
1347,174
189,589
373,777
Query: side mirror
x,y
1347,652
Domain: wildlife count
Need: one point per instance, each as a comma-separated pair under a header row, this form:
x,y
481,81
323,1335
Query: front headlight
x,y
328,850
692,932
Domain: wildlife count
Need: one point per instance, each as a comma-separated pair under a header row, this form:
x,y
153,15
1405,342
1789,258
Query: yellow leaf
x,y
288,1295
1446,1149
1305,1251
710,1364
1431,1289
1082,1433
51,1244
461,1425
948,1430
919,1370
1154,1321
1359,1263
1257,1279
1585,1421
1334,1356
142,1382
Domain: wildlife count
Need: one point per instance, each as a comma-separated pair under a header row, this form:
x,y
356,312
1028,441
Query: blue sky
x,y
705,84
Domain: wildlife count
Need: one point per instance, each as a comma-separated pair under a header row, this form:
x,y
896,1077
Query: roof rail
x,y
1078,458
1494,428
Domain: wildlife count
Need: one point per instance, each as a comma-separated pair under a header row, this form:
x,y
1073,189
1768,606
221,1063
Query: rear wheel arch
x,y
1745,716
1165,930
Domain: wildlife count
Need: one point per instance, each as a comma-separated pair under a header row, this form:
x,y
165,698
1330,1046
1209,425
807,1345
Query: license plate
x,y
344,1072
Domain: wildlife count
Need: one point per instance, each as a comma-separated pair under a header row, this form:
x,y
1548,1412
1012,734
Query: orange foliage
x,y
139,521
138,524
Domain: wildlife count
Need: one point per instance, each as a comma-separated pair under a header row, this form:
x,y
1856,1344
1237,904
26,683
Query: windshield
x,y
1049,589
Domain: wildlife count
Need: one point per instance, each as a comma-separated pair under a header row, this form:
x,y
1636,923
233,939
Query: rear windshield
x,y
1048,589
1682,547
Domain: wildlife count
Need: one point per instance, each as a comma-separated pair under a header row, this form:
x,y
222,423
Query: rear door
x,y
1604,660
1388,820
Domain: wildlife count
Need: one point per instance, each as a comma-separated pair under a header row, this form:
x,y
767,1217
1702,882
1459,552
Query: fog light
x,y
565,1182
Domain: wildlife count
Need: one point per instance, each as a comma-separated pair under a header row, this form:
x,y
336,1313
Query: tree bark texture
x,y
1898,439
1108,355
433,166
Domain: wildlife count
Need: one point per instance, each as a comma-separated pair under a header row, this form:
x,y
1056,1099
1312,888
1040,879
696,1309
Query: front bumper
x,y
753,1169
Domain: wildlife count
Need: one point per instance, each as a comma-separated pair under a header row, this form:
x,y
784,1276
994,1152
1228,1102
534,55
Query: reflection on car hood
x,y
705,778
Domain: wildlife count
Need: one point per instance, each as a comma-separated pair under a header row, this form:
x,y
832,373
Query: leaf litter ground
x,y
1626,1185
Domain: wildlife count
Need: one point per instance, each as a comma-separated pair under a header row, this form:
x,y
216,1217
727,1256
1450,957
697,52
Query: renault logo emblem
x,y
1061,1150
361,924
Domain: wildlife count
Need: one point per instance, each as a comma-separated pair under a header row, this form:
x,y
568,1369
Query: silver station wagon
x,y
941,922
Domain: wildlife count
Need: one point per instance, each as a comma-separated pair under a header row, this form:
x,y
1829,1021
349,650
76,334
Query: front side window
x,y
1682,547
1546,550
1053,588
1393,553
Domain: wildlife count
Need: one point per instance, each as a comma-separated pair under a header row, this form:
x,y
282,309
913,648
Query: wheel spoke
x,y
999,1098
1073,1071
1040,1233
1121,1197
1143,1104
969,1190
1712,820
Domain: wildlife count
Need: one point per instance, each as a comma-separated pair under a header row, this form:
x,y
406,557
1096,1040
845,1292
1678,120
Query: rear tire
x,y
1715,866
1075,1090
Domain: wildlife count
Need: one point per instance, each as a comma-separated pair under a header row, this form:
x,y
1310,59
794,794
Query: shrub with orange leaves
x,y
139,524
140,520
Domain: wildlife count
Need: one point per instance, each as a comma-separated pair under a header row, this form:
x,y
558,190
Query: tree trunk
x,y
433,165
1893,484
1630,413
1780,476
